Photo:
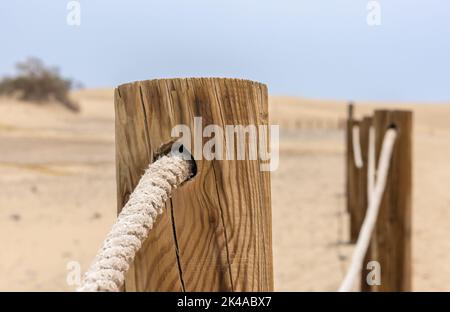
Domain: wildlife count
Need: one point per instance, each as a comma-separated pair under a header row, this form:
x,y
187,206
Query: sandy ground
x,y
57,192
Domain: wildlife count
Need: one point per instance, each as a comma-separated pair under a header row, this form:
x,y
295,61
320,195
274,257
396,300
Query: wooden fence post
x,y
353,179
215,233
359,187
391,240
365,126
349,153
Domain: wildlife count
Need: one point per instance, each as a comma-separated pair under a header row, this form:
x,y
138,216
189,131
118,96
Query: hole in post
x,y
187,155
181,150
392,126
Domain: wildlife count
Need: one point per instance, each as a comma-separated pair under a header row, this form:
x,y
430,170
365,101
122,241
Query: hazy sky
x,y
315,48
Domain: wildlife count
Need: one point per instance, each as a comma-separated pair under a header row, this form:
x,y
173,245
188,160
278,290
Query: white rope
x,y
134,222
372,211
357,147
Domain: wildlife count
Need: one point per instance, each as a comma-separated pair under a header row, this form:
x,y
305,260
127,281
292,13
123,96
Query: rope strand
x,y
107,273
357,147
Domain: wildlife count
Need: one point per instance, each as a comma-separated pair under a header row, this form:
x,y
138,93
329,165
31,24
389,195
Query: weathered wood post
x,y
348,147
353,179
391,240
364,131
349,153
215,233
365,126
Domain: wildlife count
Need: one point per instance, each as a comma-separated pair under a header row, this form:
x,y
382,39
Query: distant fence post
x,y
348,155
353,179
365,126
215,233
391,240
364,132
359,183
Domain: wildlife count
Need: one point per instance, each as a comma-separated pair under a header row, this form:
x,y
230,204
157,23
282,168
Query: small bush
x,y
37,83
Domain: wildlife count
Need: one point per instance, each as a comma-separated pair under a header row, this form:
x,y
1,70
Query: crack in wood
x,y
177,250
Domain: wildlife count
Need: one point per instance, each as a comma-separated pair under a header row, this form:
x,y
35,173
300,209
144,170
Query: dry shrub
x,y
37,83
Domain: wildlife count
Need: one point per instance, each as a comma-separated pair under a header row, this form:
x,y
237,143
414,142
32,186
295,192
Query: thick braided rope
x,y
372,211
107,273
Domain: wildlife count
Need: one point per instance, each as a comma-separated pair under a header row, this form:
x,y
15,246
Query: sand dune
x,y
57,194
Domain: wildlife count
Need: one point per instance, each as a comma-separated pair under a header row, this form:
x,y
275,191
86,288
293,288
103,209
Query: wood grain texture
x,y
391,240
349,153
365,126
215,234
353,184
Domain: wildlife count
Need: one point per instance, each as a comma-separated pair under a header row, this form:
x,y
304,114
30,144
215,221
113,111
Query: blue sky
x,y
315,48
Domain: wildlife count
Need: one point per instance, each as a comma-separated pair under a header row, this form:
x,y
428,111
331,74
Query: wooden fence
x,y
391,240
217,232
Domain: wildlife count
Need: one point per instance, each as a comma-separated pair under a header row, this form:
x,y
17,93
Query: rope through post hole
x,y
107,273
372,211
357,156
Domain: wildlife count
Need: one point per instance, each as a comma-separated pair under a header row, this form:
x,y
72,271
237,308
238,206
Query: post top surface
x,y
194,79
